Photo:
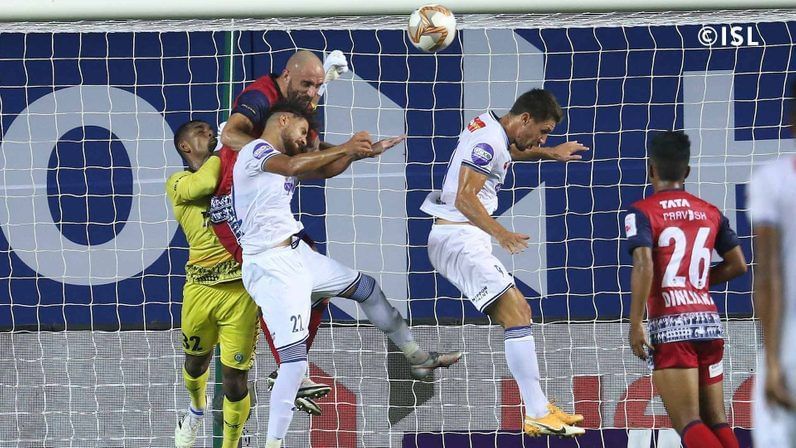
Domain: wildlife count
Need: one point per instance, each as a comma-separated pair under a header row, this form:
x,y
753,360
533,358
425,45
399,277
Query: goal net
x,y
92,261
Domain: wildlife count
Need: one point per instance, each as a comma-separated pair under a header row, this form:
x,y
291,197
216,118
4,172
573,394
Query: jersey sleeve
x,y
638,231
254,105
185,187
480,157
262,152
726,239
763,196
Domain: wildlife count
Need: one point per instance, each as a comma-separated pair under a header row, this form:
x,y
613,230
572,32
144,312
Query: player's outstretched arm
x,y
340,165
733,265
768,306
640,286
467,202
563,153
302,165
237,132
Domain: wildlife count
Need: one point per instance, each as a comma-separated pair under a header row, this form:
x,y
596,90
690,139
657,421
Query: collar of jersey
x,y
670,189
505,136
274,76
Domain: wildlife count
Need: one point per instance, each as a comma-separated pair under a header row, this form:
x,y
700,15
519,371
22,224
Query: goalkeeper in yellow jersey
x,y
215,306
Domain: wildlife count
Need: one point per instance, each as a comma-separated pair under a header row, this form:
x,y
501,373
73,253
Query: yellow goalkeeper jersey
x,y
209,262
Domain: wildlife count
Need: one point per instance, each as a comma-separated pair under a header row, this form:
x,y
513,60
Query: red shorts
x,y
703,355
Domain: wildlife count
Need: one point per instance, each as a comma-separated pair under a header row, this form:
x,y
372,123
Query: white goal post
x,y
48,10
91,260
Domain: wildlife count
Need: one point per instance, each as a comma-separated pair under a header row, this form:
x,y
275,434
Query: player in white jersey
x,y
283,274
460,246
772,206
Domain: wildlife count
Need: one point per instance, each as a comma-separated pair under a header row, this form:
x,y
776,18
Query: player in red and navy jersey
x,y
671,236
301,80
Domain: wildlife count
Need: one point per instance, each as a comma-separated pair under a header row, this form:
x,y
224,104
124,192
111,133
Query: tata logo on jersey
x,y
674,203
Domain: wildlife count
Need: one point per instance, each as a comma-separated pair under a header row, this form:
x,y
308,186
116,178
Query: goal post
x,y
91,260
48,10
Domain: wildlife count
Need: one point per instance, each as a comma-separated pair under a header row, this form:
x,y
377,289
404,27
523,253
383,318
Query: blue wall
x,y
618,83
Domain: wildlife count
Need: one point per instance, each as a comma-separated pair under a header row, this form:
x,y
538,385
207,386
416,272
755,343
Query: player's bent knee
x,y
235,391
363,288
235,383
510,310
197,365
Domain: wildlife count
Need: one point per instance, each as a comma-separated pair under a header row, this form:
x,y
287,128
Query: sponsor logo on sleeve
x,y
475,125
630,225
261,149
482,154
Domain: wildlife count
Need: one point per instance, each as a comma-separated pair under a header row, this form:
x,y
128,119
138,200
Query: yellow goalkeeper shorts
x,y
222,313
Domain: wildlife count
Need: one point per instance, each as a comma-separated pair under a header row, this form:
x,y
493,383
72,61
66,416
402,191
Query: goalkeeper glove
x,y
334,65
218,136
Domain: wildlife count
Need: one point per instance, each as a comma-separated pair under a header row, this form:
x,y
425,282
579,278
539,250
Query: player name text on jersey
x,y
679,297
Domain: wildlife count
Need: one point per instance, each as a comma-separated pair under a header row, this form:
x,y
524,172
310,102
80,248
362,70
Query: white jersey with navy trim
x,y
772,201
484,147
262,199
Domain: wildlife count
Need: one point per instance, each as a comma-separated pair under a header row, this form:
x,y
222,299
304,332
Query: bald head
x,y
302,77
304,60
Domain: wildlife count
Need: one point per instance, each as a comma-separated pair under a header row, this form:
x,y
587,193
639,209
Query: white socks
x,y
273,443
521,358
195,414
282,397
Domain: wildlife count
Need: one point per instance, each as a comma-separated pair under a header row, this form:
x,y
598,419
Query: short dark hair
x,y
293,107
540,104
182,133
670,152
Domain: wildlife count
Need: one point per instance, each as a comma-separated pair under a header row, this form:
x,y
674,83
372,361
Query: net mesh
x,y
92,265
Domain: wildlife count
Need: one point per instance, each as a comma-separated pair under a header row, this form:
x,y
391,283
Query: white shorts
x,y
285,282
463,255
771,426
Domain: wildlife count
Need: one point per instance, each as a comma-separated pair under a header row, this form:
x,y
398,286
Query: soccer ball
x,y
431,28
